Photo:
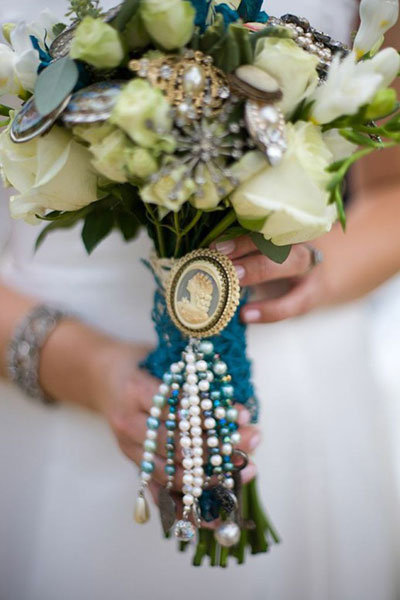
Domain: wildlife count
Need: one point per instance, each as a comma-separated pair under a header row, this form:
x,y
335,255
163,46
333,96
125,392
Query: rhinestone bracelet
x,y
24,350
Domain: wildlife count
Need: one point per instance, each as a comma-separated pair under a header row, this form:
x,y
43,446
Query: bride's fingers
x,y
240,246
299,300
257,268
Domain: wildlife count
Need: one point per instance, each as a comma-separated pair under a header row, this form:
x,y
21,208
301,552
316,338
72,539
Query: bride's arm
x,y
82,366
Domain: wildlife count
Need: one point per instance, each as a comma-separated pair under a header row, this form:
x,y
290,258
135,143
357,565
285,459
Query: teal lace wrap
x,y
230,344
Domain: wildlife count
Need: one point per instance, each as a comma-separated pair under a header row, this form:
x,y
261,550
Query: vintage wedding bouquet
x,y
196,120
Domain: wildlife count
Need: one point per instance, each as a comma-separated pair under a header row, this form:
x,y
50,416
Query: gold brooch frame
x,y
218,268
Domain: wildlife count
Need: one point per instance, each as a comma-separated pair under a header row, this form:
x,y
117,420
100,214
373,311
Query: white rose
x,y
291,196
52,172
351,84
292,67
170,23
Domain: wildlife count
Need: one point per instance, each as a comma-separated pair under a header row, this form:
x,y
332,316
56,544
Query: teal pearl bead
x,y
226,439
228,466
169,469
217,470
147,466
228,391
220,368
215,395
150,446
167,378
159,401
232,414
170,424
153,423
223,431
170,453
177,378
206,348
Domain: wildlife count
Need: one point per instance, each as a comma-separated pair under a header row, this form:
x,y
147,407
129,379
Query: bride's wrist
x,y
70,363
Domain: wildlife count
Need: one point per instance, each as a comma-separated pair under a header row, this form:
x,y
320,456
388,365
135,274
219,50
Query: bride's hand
x,y
253,268
124,394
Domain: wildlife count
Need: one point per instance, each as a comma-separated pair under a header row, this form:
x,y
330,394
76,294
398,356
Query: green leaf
x,y
276,253
5,110
65,221
358,138
98,225
127,11
232,233
58,28
54,84
230,48
128,225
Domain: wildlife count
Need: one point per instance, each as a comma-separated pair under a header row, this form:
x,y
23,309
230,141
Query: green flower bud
x,y
7,29
135,33
97,44
382,104
140,163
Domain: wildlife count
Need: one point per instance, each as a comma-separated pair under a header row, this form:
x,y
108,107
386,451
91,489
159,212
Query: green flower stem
x,y
219,229
214,551
202,547
159,232
223,557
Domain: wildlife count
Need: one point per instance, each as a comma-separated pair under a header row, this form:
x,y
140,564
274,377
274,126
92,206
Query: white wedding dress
x,y
67,493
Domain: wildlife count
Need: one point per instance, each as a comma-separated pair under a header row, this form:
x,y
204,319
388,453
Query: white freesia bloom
x,y
338,145
351,84
377,16
19,61
293,68
291,196
52,172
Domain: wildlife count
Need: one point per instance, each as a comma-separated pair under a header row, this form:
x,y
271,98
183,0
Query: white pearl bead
x,y
185,441
155,411
204,385
191,379
220,412
190,357
185,403
187,479
196,431
188,499
195,421
210,376
145,476
187,489
206,404
194,400
163,389
151,434
198,471
216,460
212,442
175,368
181,365
226,449
197,481
209,423
220,368
195,411
236,437
198,461
184,425
187,463
201,365
191,369
148,456
193,390
197,492
197,441
198,451
229,483
185,387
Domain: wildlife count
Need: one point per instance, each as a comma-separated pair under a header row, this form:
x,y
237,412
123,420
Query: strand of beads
x,y
142,512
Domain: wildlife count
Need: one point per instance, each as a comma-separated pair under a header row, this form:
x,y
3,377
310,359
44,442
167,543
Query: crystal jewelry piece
x,y
23,355
203,293
266,125
28,123
92,104
190,82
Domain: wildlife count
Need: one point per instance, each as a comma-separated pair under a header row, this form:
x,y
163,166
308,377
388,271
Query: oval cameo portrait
x,y
203,293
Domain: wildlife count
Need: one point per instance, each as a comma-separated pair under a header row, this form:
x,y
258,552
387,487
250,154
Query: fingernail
x,y
252,315
255,441
249,473
226,247
244,417
240,271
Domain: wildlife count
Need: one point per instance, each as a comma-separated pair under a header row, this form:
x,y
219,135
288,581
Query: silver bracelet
x,y
23,354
